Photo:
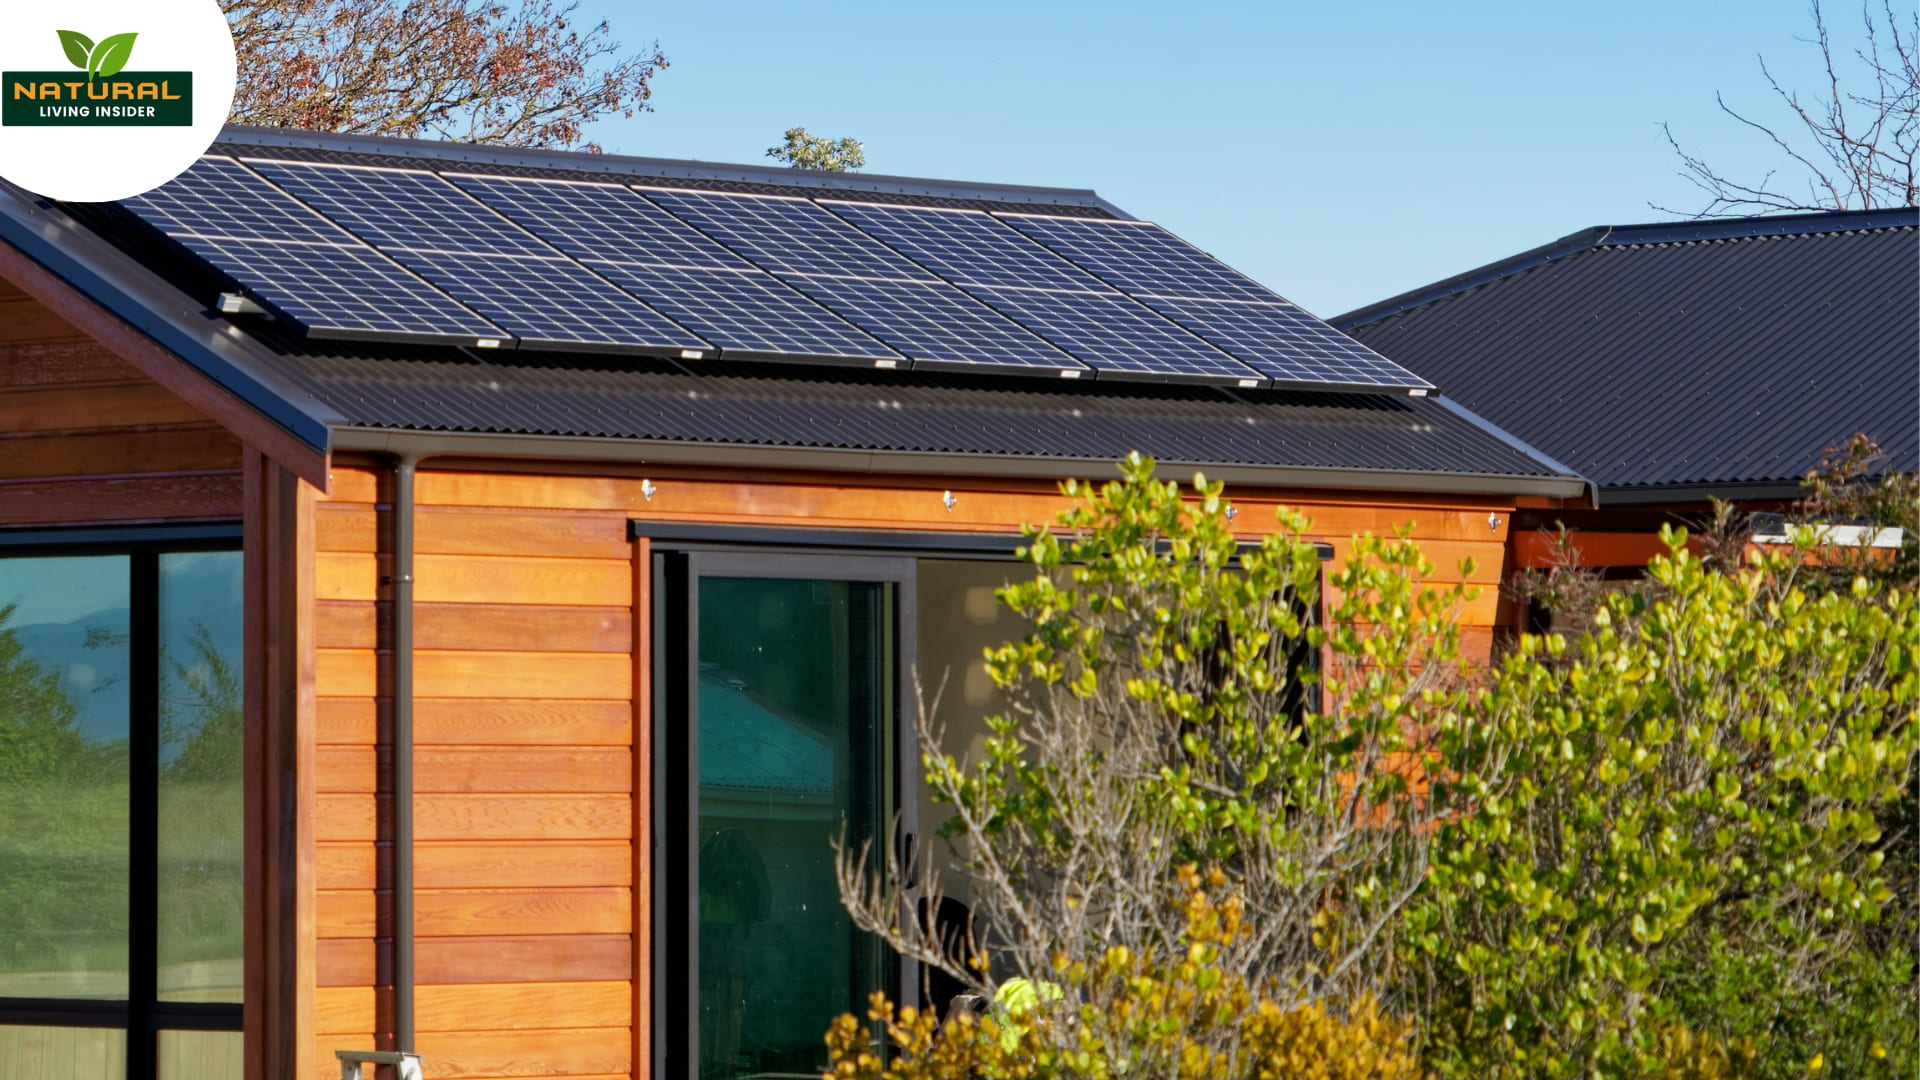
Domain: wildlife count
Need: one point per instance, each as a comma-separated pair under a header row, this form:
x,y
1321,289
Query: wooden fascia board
x,y
162,366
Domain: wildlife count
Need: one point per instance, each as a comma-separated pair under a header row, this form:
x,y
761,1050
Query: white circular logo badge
x,y
102,100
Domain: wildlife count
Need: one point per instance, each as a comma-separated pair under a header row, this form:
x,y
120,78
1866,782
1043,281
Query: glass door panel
x,y
794,742
65,781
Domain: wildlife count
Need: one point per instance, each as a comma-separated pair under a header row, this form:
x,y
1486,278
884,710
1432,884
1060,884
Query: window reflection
x,y
198,898
64,777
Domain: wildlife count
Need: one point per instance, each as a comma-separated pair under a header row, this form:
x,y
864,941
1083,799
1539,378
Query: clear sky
x,y
1338,152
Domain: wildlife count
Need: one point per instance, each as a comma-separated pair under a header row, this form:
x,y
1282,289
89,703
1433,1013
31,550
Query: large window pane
x,y
43,1053
200,811
795,717
64,780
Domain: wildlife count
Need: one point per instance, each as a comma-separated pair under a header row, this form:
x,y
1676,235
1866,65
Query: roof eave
x,y
81,277
422,444
1737,491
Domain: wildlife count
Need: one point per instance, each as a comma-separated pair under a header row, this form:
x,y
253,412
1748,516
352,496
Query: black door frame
x,y
681,556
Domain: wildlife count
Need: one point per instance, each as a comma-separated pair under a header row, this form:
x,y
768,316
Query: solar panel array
x,y
875,288
655,256
414,254
1074,310
502,271
1216,302
298,263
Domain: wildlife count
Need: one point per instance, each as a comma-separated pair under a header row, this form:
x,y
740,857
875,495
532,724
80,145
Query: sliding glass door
x,y
788,736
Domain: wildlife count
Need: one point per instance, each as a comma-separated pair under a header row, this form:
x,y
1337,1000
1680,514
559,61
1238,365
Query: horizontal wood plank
x,y
479,817
23,319
493,1054
470,769
491,674
479,579
79,408
62,363
494,864
909,505
469,912
470,530
480,722
171,497
481,1007
365,961
115,453
358,624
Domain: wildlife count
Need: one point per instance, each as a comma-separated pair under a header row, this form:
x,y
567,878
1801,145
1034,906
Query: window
x,y
120,805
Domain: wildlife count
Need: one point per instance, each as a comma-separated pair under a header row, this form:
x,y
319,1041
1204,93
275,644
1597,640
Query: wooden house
x,y
449,596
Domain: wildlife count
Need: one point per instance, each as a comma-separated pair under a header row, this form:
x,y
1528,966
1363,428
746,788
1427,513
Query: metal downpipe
x,y
402,689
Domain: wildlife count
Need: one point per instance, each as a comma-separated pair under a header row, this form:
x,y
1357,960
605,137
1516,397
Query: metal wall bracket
x,y
406,1066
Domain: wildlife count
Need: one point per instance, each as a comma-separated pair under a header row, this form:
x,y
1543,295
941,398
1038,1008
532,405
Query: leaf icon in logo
x,y
78,45
110,55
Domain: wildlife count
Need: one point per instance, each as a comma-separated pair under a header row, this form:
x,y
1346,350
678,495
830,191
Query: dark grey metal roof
x,y
1008,424
1683,359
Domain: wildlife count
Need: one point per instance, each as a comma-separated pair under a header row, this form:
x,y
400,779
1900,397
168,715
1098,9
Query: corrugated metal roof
x,y
906,412
1703,356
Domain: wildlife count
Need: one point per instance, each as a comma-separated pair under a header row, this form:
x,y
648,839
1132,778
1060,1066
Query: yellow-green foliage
x,y
1711,758
1121,1016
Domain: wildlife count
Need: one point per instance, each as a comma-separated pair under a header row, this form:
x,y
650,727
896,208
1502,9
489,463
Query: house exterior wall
x,y
86,439
531,723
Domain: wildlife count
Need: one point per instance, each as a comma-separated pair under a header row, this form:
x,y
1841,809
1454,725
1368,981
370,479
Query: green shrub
x,y
1712,757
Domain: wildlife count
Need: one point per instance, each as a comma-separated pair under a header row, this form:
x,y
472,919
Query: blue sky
x,y
1338,152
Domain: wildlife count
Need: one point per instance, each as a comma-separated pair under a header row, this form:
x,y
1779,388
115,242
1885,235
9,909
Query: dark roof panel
x,y
908,412
1696,355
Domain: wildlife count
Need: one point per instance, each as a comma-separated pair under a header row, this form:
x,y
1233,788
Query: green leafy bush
x,y
1711,758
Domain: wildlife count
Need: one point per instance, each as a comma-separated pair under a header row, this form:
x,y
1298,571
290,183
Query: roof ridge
x,y
473,155
1824,222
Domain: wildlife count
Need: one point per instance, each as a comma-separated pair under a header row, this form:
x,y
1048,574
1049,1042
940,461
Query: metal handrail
x,y
406,1065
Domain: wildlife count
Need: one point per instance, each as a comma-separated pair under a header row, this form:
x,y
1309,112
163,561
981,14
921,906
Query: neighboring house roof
x,y
335,395
1673,361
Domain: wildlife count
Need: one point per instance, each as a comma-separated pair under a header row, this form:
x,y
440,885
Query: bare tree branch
x,y
1859,160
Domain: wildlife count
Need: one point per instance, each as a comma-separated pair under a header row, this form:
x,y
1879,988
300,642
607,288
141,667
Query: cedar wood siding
x,y
528,768
86,439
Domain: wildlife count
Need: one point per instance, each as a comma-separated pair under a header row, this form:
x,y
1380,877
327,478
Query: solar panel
x,y
786,235
297,263
1217,302
871,286
1036,288
505,273
678,270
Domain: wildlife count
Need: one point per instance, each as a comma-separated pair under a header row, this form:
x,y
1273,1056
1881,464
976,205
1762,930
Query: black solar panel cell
x,y
1287,343
502,271
305,267
1258,327
1117,337
936,325
1076,311
967,247
788,236
401,208
607,222
1140,258
747,312
676,269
